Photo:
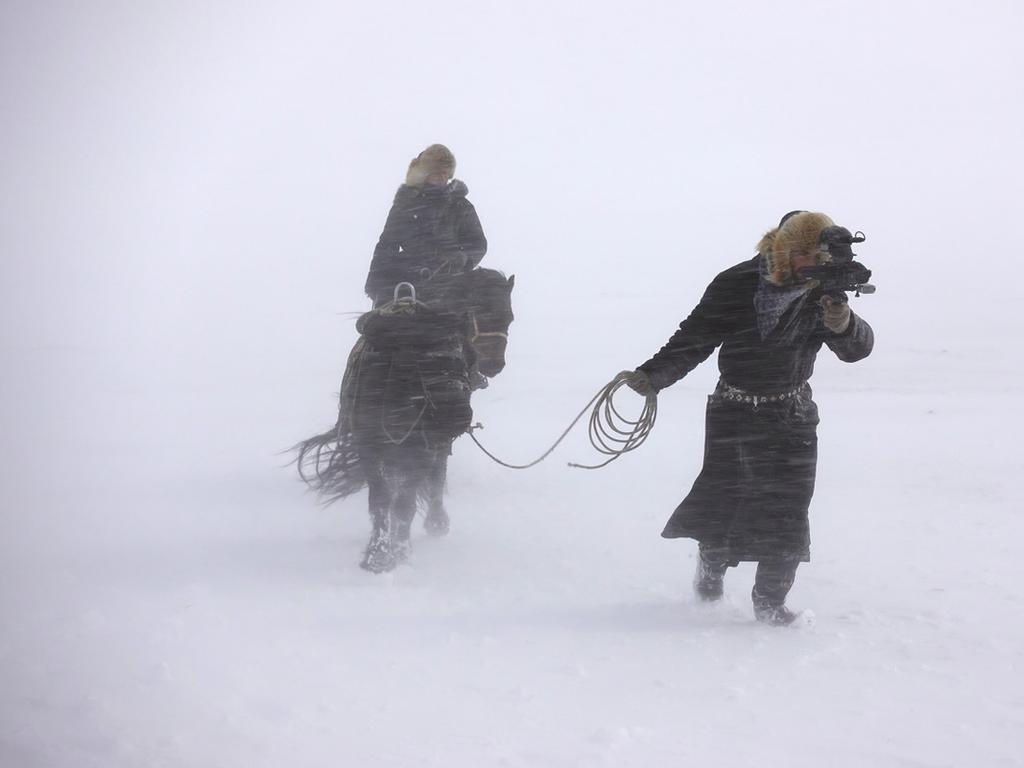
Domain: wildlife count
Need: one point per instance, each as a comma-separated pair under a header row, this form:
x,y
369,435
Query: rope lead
x,y
610,433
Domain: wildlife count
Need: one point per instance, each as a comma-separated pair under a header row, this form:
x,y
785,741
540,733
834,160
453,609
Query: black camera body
x,y
840,273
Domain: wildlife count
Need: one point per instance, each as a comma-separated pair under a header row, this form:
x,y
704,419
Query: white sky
x,y
191,192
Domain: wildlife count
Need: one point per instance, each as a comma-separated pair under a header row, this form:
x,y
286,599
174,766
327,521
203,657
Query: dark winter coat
x,y
751,499
430,230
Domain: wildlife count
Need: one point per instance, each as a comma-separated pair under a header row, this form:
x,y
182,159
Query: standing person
x,y
751,499
432,228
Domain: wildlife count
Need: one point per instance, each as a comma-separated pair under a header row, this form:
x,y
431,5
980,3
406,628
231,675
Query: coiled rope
x,y
610,433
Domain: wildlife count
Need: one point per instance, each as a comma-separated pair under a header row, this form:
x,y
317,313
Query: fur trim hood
x,y
454,188
436,158
798,233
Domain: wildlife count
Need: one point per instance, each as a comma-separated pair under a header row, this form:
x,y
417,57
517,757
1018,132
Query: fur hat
x,y
436,158
798,233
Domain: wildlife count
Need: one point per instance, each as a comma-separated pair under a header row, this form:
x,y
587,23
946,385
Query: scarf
x,y
772,301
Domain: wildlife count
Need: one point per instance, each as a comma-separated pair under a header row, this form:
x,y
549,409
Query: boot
x,y
708,582
772,583
772,613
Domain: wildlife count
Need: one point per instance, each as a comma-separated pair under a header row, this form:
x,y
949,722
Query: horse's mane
x,y
486,287
484,276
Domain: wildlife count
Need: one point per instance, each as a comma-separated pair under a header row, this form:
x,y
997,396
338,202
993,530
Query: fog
x,y
189,199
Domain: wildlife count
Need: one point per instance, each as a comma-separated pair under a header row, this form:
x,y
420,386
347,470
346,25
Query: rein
x,y
610,433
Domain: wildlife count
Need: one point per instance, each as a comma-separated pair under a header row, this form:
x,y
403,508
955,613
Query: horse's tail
x,y
329,464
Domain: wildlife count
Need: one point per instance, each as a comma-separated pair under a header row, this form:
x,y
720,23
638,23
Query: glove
x,y
837,314
640,383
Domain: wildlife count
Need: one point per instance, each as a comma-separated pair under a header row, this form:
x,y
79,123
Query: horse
x,y
404,399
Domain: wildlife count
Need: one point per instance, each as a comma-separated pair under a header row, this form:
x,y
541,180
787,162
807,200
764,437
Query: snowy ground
x,y
168,614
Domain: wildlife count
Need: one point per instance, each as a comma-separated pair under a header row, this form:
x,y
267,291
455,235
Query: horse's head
x,y
488,306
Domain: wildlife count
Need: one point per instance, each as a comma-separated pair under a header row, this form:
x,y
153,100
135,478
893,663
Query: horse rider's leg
x,y
379,555
436,522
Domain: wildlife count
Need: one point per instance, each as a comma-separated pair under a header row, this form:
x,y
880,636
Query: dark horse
x,y
405,398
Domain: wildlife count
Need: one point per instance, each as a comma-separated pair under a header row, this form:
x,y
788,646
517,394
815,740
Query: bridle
x,y
477,333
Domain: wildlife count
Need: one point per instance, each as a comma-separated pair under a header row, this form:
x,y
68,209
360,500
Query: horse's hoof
x,y
378,557
436,523
378,562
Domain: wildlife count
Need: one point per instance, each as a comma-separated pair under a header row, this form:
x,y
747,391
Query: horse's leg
x,y
379,555
436,522
403,510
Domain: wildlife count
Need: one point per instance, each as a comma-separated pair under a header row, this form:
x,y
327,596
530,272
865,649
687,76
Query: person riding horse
x,y
431,230
404,399
438,328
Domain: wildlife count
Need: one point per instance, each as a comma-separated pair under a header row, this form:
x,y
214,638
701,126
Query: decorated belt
x,y
735,394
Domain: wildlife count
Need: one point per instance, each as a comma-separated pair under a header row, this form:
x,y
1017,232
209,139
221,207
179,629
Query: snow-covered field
x,y
191,202
200,614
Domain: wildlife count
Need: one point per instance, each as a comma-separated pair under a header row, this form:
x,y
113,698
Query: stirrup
x,y
412,293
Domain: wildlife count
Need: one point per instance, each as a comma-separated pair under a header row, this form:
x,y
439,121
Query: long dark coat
x,y
751,499
429,230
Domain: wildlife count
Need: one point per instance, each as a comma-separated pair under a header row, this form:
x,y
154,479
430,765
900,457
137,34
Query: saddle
x,y
407,375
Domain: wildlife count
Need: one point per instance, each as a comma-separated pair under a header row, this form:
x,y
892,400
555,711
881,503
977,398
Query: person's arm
x,y
698,336
472,244
854,342
388,246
